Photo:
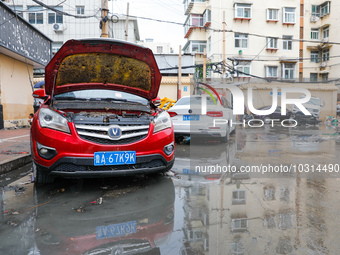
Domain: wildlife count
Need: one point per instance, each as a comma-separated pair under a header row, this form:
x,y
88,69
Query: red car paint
x,y
73,153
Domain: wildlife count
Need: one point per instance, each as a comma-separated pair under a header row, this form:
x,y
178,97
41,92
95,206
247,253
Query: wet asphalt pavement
x,y
284,201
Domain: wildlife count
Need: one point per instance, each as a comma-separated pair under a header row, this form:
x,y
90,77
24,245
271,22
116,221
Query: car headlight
x,y
162,122
53,120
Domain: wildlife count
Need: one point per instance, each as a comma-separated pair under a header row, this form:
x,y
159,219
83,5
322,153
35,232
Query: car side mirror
x,y
40,93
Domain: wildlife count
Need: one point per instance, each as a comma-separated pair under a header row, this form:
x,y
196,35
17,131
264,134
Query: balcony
x,y
194,21
189,4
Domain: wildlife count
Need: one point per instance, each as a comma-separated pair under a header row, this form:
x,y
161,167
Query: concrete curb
x,y
9,165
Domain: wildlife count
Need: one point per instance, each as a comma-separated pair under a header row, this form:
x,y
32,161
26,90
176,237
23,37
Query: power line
x,y
158,20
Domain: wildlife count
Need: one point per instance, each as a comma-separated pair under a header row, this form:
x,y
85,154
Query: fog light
x,y
168,149
43,151
46,152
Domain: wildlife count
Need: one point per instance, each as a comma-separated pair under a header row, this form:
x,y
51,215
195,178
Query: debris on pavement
x,y
98,201
9,152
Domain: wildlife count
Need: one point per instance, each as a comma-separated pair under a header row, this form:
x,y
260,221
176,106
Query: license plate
x,y
105,158
191,117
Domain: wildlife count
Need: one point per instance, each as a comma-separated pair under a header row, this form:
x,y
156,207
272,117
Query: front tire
x,y
40,176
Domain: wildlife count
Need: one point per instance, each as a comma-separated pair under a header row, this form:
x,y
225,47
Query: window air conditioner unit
x,y
325,40
314,19
323,64
58,27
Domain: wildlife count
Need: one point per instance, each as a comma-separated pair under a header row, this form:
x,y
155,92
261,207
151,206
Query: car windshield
x,y
194,101
314,101
102,94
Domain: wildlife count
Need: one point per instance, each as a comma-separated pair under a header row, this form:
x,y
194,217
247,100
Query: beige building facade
x,y
15,91
19,55
294,42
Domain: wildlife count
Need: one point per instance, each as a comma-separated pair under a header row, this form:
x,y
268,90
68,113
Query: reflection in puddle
x,y
240,213
191,212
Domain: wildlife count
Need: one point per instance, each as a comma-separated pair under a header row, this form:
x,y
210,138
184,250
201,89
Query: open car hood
x,y
103,64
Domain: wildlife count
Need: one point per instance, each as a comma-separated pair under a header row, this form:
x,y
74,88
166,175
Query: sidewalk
x,y
14,148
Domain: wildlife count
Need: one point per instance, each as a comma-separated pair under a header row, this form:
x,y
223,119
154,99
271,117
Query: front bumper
x,y
75,155
84,167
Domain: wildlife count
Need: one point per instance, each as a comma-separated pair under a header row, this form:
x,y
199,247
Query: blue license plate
x,y
106,158
191,117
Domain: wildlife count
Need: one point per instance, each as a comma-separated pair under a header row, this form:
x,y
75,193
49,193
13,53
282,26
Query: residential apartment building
x,y
289,40
73,19
157,47
255,213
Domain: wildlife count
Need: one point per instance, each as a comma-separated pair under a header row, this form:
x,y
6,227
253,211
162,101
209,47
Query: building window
x,y
35,15
80,10
243,69
206,16
288,71
56,46
241,40
272,71
243,11
289,15
272,43
239,224
313,77
324,9
237,248
286,220
316,10
198,46
314,35
273,14
54,17
325,55
193,20
269,193
321,10
287,42
197,20
18,9
269,221
325,32
159,49
284,194
314,56
239,197
324,77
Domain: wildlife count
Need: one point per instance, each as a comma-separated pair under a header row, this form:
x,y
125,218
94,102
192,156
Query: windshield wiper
x,y
71,98
109,99
97,99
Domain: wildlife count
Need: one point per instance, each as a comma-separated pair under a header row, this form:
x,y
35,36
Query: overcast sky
x,y
156,9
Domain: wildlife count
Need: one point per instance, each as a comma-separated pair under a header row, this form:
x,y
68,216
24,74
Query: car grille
x,y
99,133
68,167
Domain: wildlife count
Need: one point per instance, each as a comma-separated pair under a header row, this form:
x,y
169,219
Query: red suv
x,y
98,119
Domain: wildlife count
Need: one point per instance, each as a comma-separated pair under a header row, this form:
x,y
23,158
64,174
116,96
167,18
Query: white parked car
x,y
187,117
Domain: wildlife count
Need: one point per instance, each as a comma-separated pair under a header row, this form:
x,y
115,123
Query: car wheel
x,y
41,177
266,120
225,139
233,132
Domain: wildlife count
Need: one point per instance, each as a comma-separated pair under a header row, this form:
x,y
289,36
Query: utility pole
x,y
105,18
223,57
127,23
179,83
205,65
